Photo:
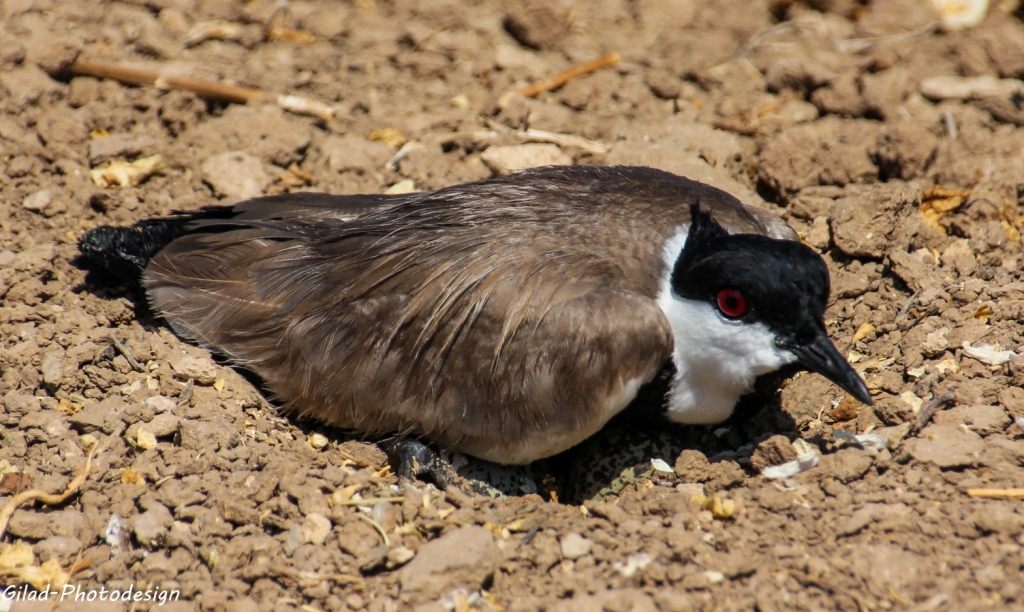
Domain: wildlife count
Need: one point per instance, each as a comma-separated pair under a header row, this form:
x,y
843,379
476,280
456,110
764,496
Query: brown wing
x,y
507,319
509,355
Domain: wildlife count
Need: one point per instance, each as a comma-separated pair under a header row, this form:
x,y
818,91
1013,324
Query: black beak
x,y
822,357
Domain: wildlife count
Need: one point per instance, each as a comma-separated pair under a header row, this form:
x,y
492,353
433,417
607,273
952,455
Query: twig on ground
x,y
210,90
376,525
556,81
906,307
563,140
932,407
50,499
997,493
369,501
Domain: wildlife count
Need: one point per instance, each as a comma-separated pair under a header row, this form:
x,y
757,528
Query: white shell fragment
x,y
806,459
960,14
659,465
988,353
867,441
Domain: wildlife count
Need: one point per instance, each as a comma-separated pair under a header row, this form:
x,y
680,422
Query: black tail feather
x,y
125,251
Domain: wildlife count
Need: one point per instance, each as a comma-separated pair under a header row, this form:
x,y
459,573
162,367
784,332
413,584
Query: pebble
x,y
999,518
38,200
164,424
373,560
101,416
575,545
399,556
293,540
53,368
819,236
119,145
152,525
25,524
464,557
315,528
202,369
504,160
159,403
235,174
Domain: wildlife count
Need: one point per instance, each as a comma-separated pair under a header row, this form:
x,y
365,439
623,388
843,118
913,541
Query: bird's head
x,y
743,305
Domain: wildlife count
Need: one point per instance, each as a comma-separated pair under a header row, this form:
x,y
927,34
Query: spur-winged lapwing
x,y
508,319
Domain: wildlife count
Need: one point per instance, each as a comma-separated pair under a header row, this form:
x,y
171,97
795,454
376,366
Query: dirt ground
x,y
814,111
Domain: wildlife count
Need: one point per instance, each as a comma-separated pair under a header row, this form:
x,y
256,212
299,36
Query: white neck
x,y
717,359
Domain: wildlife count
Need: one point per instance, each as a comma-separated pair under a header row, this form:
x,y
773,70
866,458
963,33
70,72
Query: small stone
x,y
669,600
399,556
163,425
819,236
935,343
53,369
202,369
318,441
690,488
159,403
575,546
119,145
157,567
859,520
464,557
293,540
152,525
145,439
315,528
37,201
373,560
101,416
608,511
235,174
20,404
504,160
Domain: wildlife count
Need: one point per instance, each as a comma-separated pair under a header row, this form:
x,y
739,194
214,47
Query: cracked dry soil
x,y
813,111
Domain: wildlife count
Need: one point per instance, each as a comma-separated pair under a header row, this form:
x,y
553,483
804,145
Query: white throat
x,y
717,359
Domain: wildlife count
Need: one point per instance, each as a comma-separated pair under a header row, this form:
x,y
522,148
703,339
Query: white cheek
x,y
717,360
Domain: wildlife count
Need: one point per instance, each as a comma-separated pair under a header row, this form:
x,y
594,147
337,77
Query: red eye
x,y
732,303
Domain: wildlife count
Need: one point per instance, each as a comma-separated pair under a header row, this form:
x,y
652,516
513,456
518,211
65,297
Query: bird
x,y
508,319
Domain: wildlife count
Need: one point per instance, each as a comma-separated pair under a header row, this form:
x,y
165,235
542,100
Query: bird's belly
x,y
538,443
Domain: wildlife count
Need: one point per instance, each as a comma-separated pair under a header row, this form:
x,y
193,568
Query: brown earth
x,y
816,116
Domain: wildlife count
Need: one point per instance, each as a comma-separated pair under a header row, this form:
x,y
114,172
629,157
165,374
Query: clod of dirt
x,y
504,160
235,174
868,222
464,557
776,450
947,446
151,526
202,369
846,465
